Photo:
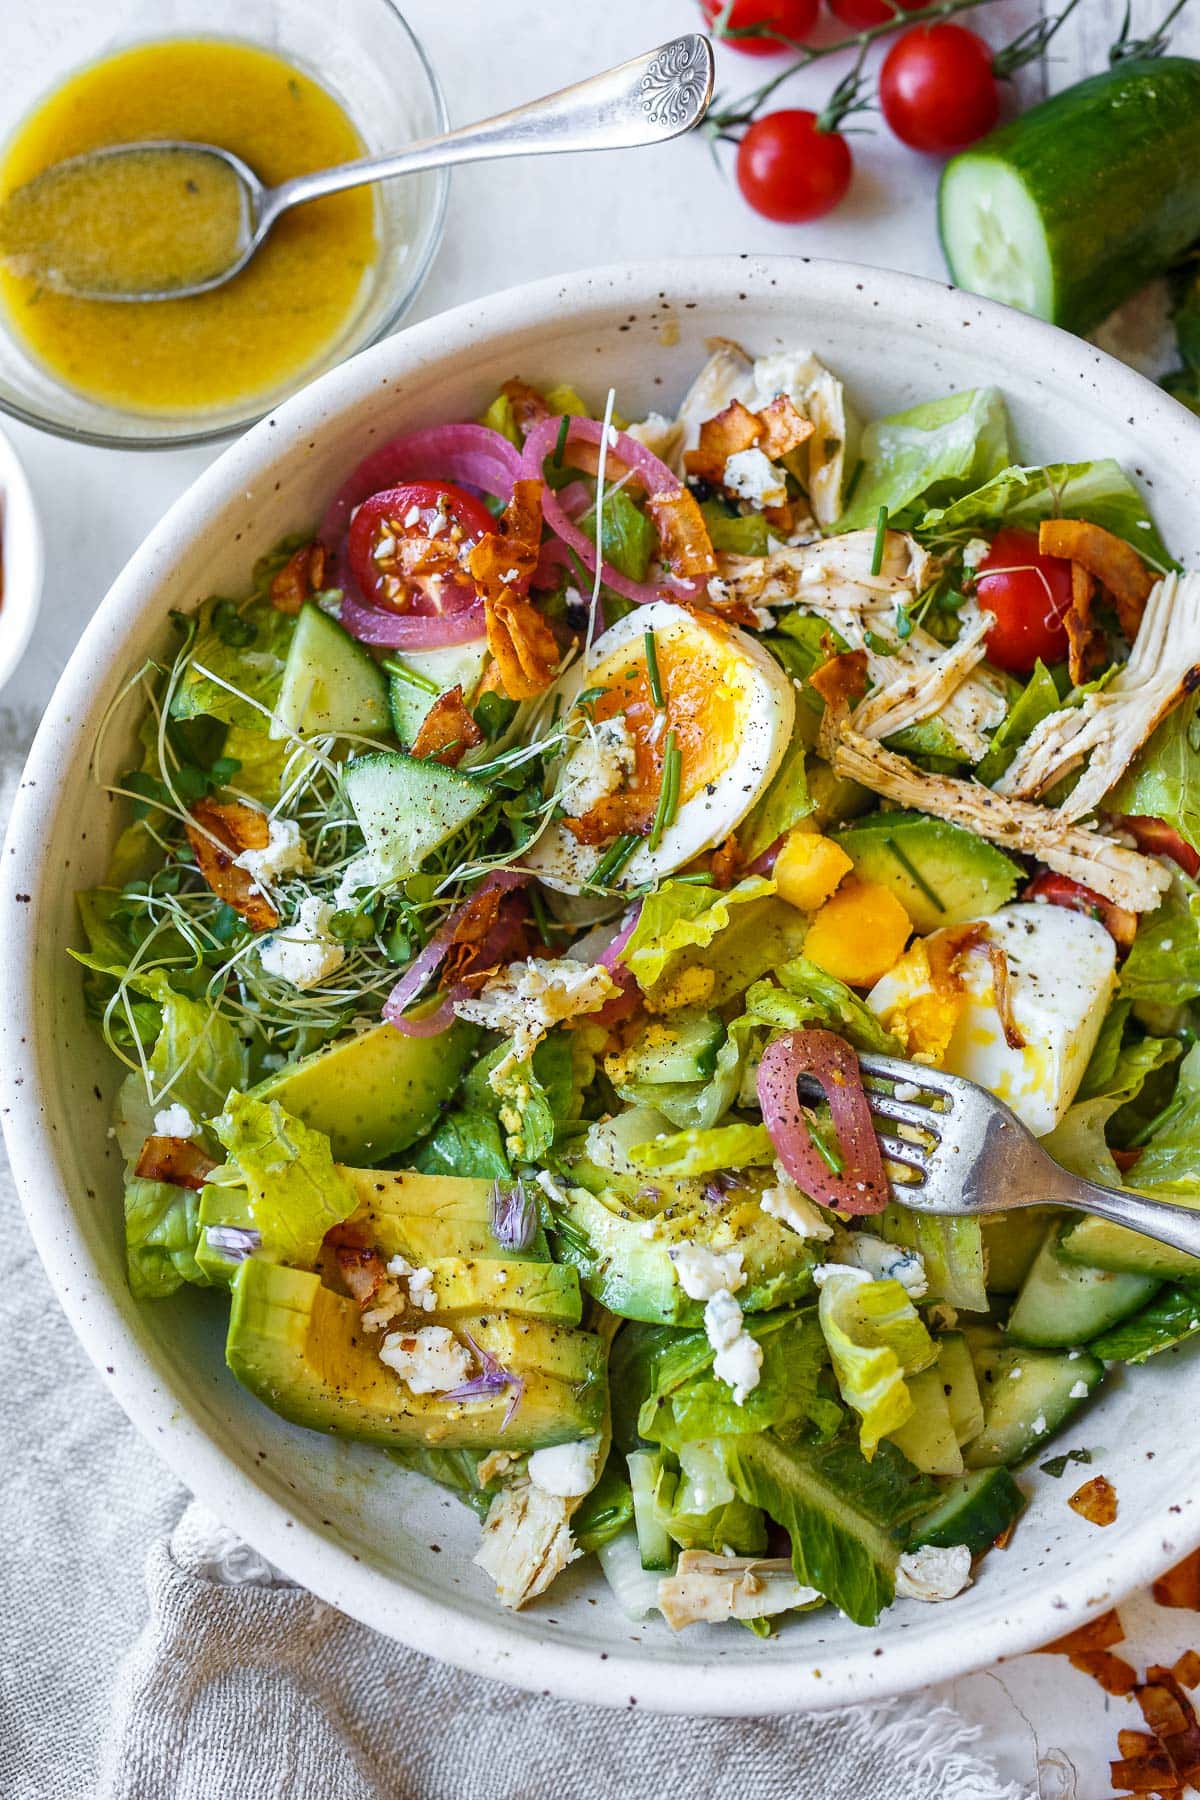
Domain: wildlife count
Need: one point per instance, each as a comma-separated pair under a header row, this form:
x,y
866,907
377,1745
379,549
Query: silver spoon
x,y
644,101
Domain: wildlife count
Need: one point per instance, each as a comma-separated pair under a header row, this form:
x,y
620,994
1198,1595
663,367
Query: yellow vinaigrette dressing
x,y
301,291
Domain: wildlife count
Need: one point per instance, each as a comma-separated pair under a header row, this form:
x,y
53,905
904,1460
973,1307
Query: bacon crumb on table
x,y
1095,1501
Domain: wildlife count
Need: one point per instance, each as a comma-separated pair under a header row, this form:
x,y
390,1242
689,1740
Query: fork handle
x,y
1178,1226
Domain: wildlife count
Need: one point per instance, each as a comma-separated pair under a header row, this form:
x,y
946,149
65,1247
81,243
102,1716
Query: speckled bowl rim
x,y
143,1386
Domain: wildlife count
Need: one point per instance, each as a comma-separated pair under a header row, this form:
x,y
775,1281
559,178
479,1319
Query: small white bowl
x,y
22,559
383,1545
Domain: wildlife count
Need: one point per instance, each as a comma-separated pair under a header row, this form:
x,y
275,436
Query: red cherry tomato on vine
x,y
937,89
860,15
406,545
1060,890
1161,839
790,170
794,18
1029,594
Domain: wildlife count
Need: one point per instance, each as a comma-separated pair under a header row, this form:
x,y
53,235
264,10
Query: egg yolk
x,y
704,690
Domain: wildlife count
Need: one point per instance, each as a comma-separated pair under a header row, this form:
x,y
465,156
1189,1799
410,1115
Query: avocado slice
x,y
624,1256
941,873
532,1290
301,1349
373,1093
421,1217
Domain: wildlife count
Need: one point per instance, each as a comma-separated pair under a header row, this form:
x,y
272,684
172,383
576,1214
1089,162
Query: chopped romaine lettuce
x,y
807,996
687,1402
296,1192
1170,1161
238,646
604,1513
683,1154
628,538
1163,782
699,946
1098,491
1036,701
931,454
1163,966
844,1515
786,801
162,1228
465,1141
951,1250
876,1337
1171,1318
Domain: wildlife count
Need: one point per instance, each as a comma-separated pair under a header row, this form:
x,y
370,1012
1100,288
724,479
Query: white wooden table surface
x,y
1051,1728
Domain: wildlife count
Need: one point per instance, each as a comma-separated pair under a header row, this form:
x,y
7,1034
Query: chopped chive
x,y
1169,1112
829,1156
652,673
613,860
904,622
564,426
668,793
914,874
881,526
855,476
701,878
878,644
547,927
403,673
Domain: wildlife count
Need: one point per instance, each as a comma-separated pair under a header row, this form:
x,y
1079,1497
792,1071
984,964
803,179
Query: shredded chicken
x,y
1110,727
706,1589
1125,876
921,693
526,1542
832,579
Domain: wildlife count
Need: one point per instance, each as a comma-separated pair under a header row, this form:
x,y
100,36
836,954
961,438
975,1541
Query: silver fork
x,y
976,1156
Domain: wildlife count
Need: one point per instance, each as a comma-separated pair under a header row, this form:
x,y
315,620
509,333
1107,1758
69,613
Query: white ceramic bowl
x,y
21,559
382,1545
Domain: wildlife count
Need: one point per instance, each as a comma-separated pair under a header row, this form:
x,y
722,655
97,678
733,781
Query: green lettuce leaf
x,y
786,801
686,1402
162,1229
741,534
699,946
465,1141
296,1193
1163,781
245,645
846,1517
700,1509
604,1513
1170,1161
1099,491
698,1105
931,453
629,539
876,1337
1080,1140
803,995
682,1154
1171,1318
457,1470
1163,966
1037,699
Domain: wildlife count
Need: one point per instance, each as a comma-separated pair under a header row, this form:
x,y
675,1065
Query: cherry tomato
x,y
937,89
794,18
790,170
1160,839
1060,890
1029,595
405,546
860,15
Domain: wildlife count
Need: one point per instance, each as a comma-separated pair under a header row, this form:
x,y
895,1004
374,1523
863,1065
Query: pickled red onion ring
x,y
862,1185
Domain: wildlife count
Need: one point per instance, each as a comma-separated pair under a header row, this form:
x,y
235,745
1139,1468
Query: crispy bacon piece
x,y
301,575
1002,990
505,559
529,407
1180,1586
218,832
361,1269
174,1159
1187,1669
494,929
726,862
1134,1743
683,539
1085,644
1113,1673
447,731
842,681
734,429
1095,1501
1114,563
630,810
522,643
1100,1633
776,430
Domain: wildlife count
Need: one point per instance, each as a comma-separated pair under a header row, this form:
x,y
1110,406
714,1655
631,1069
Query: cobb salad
x,y
503,866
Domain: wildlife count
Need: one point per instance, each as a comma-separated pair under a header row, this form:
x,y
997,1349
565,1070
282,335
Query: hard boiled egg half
x,y
730,706
1062,973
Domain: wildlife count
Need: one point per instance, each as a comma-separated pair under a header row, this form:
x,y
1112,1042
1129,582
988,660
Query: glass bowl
x,y
363,51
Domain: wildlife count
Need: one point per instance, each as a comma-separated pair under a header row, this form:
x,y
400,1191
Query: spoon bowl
x,y
45,225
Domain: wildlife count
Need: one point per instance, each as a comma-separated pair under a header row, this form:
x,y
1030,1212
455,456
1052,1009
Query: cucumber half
x,y
1062,1303
330,684
1027,1395
406,807
974,1511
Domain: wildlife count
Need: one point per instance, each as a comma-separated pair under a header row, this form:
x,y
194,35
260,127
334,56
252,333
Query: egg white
x,y
1062,970
766,709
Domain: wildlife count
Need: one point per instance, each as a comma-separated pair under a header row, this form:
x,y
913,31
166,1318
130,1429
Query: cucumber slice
x,y
407,808
961,1386
654,1543
974,1510
331,682
1063,1303
928,1438
1027,1395
1071,208
1103,1245
1011,1241
635,1589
